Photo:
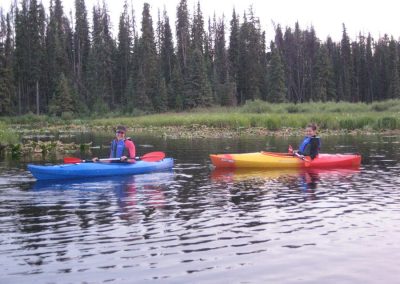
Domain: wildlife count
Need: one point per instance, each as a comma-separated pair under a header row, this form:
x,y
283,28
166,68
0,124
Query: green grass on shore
x,y
333,116
377,116
348,121
7,136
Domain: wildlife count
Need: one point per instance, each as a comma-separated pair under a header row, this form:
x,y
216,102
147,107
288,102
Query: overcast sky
x,y
376,17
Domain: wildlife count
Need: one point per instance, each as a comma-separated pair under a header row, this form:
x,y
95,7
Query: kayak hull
x,y
283,160
86,170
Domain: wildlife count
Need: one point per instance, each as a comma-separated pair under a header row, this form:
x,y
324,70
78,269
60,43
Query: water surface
x,y
198,225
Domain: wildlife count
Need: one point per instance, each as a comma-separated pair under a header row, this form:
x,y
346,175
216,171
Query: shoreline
x,y
197,131
210,132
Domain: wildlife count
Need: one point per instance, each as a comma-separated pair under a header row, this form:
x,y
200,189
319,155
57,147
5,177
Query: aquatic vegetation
x,y
7,137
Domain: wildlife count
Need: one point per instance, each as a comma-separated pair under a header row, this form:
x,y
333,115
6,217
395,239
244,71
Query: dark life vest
x,y
118,149
307,141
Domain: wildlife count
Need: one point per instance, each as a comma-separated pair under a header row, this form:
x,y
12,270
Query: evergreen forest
x,y
54,62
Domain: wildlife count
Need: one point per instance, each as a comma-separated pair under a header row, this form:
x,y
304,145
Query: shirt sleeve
x,y
131,149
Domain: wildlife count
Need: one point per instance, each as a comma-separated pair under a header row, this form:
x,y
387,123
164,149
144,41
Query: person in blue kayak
x,y
310,145
122,147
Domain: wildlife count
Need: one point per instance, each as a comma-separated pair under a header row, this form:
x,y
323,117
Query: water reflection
x,y
301,180
131,198
309,177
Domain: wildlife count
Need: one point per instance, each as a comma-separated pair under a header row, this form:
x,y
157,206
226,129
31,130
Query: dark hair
x,y
313,126
121,128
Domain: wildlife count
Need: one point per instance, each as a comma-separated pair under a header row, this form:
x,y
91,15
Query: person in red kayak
x,y
122,147
310,145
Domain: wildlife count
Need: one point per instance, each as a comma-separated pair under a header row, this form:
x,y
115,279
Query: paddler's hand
x,y
95,159
124,159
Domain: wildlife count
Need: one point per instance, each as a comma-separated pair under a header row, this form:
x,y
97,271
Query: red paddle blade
x,y
71,160
153,156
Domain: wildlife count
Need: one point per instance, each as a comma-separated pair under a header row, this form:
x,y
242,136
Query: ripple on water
x,y
197,225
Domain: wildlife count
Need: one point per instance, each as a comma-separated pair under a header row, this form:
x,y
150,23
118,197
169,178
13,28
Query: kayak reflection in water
x,y
310,145
304,180
140,197
121,147
137,196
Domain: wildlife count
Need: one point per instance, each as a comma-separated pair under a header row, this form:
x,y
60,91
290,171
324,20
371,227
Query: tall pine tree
x,y
276,78
81,49
124,56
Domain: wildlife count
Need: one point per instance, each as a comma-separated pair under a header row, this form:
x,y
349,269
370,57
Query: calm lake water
x,y
198,225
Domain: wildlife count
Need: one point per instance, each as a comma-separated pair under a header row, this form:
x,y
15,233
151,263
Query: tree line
x,y
53,63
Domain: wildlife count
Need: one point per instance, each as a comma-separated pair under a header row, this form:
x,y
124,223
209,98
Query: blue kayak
x,y
86,170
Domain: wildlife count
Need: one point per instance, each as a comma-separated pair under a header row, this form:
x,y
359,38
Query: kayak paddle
x,y
306,159
152,157
149,157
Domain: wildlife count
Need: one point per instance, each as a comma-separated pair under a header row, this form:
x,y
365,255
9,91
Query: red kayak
x,y
284,160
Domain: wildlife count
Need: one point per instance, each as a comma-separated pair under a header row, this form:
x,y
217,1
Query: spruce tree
x,y
394,81
233,50
129,95
162,95
58,48
141,99
148,58
311,49
209,57
346,65
7,91
369,90
182,35
382,69
176,89
276,77
225,88
22,56
198,30
95,81
250,75
323,85
356,72
35,53
167,55
62,100
81,49
5,86
102,62
299,64
363,69
221,58
334,55
124,57
6,83
197,87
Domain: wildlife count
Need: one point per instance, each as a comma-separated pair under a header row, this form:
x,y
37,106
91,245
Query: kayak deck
x,y
283,160
86,170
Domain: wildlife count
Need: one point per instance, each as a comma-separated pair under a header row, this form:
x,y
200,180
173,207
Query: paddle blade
x,y
153,156
71,160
